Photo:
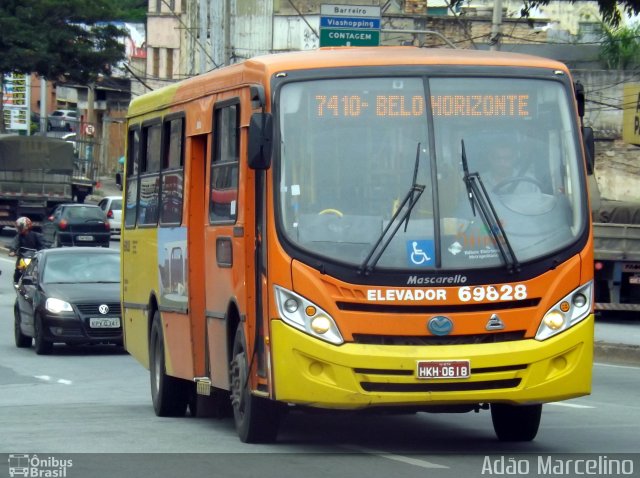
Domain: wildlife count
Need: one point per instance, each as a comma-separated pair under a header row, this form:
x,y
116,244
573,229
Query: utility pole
x,y
218,32
203,15
496,25
43,105
90,123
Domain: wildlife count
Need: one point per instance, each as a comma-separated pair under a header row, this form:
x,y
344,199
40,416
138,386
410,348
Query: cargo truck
x,y
36,174
616,241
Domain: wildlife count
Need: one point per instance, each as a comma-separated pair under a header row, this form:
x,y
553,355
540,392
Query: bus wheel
x,y
515,422
170,395
256,419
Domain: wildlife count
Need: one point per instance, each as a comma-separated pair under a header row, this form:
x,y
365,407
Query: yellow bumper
x,y
311,372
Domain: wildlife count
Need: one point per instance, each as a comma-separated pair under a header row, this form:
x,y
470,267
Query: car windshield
x,y
81,267
373,144
84,213
116,205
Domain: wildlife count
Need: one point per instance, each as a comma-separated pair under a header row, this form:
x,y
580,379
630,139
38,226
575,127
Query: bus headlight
x,y
573,308
304,315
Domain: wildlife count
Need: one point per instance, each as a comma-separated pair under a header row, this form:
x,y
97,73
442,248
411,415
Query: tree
x,y
620,48
61,40
131,10
611,10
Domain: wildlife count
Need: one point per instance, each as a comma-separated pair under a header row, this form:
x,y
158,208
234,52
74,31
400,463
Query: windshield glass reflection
x,y
340,186
82,268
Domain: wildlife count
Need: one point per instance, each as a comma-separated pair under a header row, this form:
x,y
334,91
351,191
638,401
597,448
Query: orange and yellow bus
x,y
337,229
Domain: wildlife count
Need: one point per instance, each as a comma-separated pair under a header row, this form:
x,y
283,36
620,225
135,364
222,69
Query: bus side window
x,y
149,175
172,172
223,200
131,193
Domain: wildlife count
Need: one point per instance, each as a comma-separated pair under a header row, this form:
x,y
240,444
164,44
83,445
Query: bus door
x,y
224,244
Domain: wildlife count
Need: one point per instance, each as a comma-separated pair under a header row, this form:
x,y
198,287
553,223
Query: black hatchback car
x,y
77,225
69,295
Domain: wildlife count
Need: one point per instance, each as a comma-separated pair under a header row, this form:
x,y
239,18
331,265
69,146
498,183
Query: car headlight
x,y
304,315
56,306
567,312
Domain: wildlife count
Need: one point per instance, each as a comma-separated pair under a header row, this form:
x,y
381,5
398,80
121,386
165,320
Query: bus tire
x,y
516,422
170,395
256,419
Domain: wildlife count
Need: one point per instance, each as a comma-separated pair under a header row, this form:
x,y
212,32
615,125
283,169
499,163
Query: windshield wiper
x,y
410,200
479,196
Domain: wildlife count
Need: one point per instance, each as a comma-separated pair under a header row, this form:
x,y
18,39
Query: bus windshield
x,y
352,149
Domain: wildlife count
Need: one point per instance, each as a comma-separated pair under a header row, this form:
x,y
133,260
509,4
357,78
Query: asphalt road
x,y
92,406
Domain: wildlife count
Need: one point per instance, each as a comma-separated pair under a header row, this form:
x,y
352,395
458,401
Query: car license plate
x,y
104,323
84,238
430,369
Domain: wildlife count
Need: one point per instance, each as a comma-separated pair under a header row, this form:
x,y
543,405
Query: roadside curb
x,y
622,354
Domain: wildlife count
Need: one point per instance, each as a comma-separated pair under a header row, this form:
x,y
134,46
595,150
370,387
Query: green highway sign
x,y
349,37
349,25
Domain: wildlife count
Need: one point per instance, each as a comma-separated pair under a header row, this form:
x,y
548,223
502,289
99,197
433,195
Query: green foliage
x,y
59,39
611,10
134,11
620,48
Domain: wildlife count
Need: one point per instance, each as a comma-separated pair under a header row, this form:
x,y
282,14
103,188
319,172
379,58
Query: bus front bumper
x,y
310,372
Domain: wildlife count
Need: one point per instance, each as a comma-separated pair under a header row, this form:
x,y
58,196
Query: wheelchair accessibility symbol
x,y
420,253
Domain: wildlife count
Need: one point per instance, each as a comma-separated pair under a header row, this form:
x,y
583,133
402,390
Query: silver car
x,y
112,206
65,120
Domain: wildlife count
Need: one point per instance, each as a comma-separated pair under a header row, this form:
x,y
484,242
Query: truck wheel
x,y
170,395
22,341
42,345
257,419
515,422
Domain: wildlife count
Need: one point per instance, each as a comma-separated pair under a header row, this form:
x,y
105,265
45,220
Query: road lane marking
x,y
400,458
47,378
569,405
616,366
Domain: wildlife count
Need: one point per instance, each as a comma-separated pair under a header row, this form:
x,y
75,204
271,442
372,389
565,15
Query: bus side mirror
x,y
589,148
260,140
579,92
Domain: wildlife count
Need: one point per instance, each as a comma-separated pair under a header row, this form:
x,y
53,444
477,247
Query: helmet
x,y
23,224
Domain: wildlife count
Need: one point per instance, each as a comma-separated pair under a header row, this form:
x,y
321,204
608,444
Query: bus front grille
x,y
439,386
488,338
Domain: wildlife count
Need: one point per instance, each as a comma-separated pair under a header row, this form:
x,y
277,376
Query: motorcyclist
x,y
25,238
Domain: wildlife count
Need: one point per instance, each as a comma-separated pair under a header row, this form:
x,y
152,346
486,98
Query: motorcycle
x,y
24,259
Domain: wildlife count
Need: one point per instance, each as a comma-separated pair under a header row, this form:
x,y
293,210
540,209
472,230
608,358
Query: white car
x,y
112,206
65,120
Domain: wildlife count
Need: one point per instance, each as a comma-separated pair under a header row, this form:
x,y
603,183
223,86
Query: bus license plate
x,y
84,238
430,369
635,280
104,323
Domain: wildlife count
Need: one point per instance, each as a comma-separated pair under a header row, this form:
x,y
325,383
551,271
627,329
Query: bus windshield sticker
x,y
420,253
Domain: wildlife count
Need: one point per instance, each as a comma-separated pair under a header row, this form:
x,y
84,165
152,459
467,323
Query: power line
x,y
137,77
